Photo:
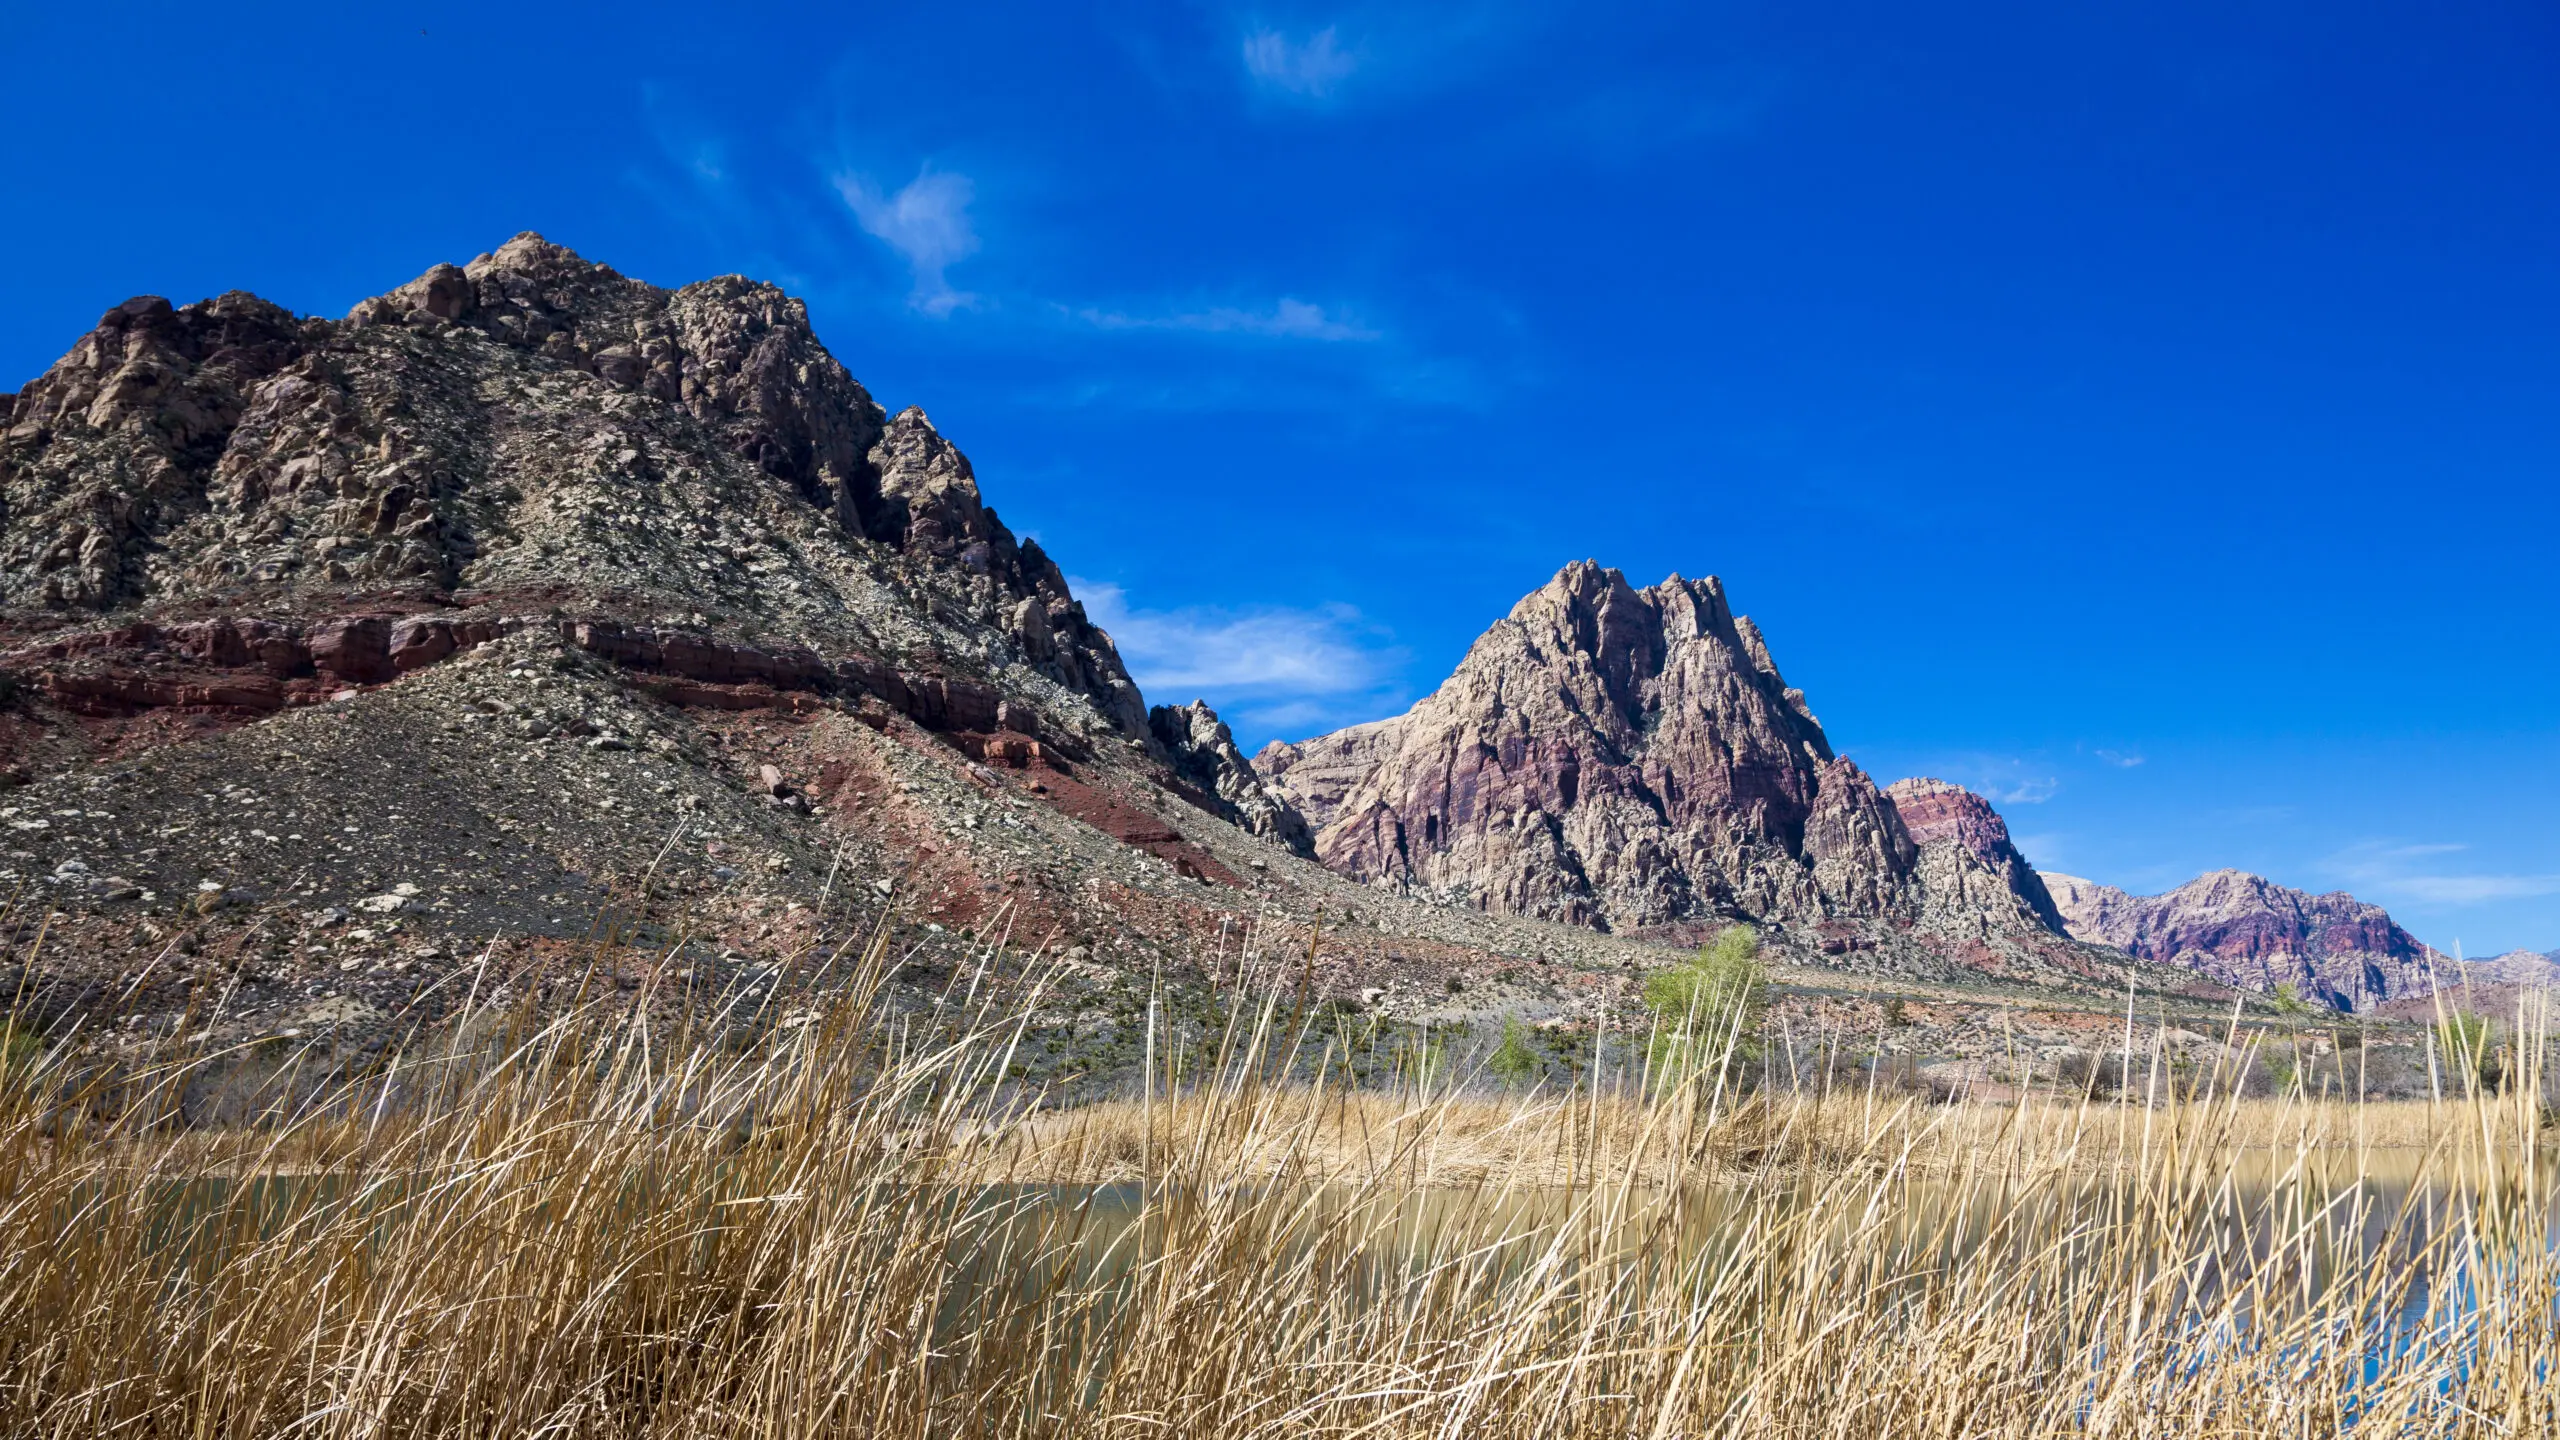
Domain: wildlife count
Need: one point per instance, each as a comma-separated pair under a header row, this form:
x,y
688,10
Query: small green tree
x,y
1514,1062
1707,1010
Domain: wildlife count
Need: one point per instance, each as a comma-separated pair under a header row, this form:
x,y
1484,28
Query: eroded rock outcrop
x,y
1203,752
1970,873
529,422
2248,931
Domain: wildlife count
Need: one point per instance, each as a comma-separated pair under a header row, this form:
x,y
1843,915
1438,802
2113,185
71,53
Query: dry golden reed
x,y
867,1224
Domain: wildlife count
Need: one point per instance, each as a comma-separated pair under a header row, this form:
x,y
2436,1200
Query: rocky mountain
x,y
1631,759
531,608
2515,967
2254,934
1968,868
1609,756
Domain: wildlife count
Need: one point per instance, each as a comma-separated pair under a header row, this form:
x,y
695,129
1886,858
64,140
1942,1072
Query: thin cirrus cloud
x,y
2377,869
1312,68
1269,671
2033,790
927,223
1286,319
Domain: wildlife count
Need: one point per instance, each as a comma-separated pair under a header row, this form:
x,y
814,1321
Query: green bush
x,y
18,1049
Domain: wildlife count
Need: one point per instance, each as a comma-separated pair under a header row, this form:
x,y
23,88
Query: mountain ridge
x,y
528,599
1633,760
2249,931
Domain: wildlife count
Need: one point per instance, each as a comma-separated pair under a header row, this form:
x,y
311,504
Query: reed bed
x,y
871,1224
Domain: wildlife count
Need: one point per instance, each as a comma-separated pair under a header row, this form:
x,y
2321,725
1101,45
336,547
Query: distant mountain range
x,y
2248,931
453,611
1631,760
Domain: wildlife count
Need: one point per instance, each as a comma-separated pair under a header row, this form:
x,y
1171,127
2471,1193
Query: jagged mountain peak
x,y
1631,758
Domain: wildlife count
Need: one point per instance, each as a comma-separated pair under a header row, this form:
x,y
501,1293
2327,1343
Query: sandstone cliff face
x,y
1614,757
1320,774
1970,874
1203,752
2252,933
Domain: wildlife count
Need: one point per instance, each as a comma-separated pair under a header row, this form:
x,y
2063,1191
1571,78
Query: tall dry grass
x,y
867,1224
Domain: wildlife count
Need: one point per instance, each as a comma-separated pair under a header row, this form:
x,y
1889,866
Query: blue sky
x,y
2148,414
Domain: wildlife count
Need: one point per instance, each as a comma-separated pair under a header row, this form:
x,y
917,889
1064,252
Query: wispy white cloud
x,y
1287,319
2121,759
2000,779
2381,871
1196,649
1278,670
2473,889
926,222
1309,69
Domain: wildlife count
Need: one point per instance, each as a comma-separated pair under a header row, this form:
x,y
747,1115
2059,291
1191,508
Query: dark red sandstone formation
x,y
1614,757
2249,932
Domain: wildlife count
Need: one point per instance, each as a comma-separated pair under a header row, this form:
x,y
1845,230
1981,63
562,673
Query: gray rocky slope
x,y
532,619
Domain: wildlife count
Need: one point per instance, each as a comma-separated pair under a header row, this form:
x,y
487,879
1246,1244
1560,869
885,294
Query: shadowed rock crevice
x,y
1203,753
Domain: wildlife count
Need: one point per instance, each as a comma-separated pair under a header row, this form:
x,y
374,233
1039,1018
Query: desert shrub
x,y
2099,1077
2468,1046
2276,1073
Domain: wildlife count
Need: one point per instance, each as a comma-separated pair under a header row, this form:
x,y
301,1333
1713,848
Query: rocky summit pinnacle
x,y
1968,865
1632,759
